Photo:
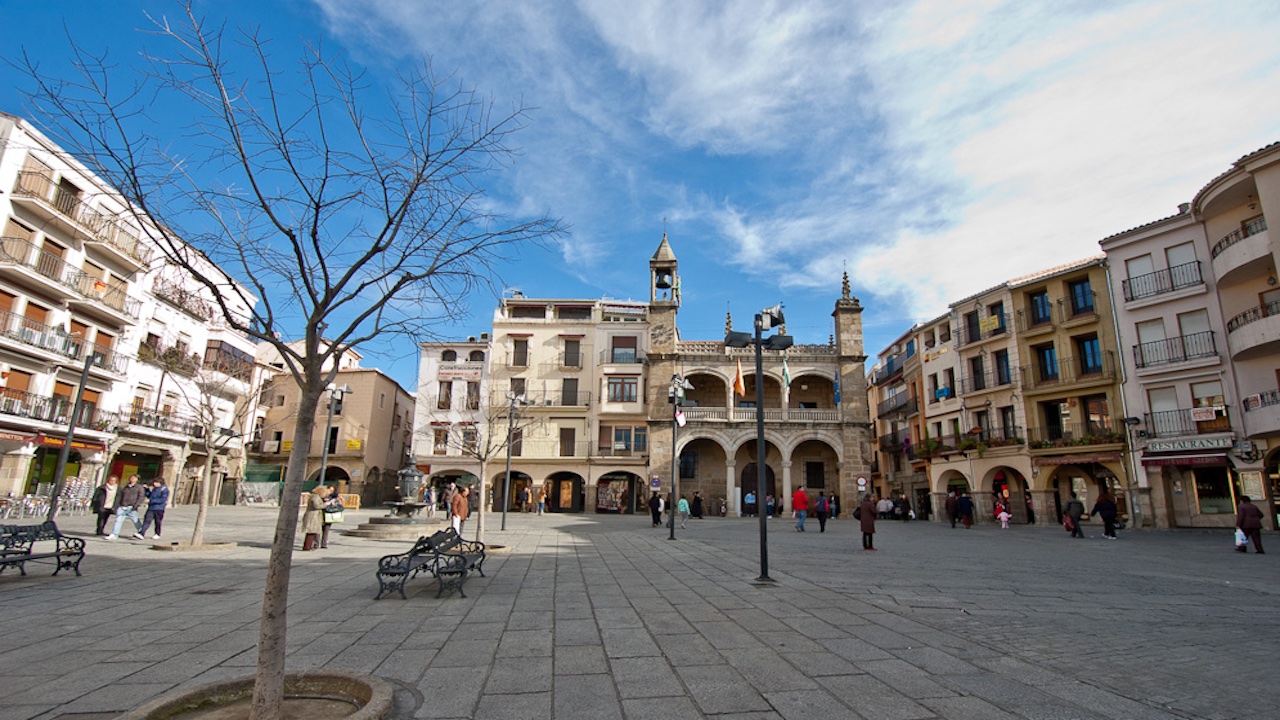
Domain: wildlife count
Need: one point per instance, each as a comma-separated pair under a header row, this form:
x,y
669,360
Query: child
x,y
1004,519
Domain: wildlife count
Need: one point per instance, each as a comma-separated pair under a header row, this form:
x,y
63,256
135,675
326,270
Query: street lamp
x,y
335,396
675,396
765,320
513,400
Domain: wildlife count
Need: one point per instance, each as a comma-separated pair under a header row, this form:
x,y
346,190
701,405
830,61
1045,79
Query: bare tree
x,y
351,214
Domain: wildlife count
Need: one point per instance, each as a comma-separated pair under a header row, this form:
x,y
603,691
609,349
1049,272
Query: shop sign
x,y
354,444
990,323
1204,414
1185,460
1218,443
16,437
286,446
1074,459
459,372
54,441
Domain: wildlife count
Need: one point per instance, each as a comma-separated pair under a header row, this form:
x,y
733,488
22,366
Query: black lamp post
x,y
675,396
65,453
765,320
335,396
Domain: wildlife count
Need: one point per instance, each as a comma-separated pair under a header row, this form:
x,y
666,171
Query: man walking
x,y
129,502
953,505
964,508
1074,510
459,509
1249,521
104,502
800,504
749,504
157,501
868,522
655,509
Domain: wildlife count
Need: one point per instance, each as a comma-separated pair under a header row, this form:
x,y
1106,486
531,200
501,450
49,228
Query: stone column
x,y
939,507
1046,511
731,496
786,484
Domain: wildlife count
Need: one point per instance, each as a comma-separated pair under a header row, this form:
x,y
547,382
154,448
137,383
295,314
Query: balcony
x,y
1181,423
1242,252
579,399
902,402
33,335
175,359
163,421
63,206
1074,435
990,380
99,298
1255,332
890,370
1162,281
185,300
1175,350
621,356
56,409
23,260
1262,414
1069,371
618,450
989,327
894,440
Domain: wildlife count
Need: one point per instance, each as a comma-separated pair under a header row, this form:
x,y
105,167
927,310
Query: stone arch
x,y
949,480
621,492
812,389
710,387
498,485
1004,479
1086,479
702,466
566,492
815,464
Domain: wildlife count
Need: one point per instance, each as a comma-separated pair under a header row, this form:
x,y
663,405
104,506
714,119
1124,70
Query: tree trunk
x,y
206,486
480,512
268,685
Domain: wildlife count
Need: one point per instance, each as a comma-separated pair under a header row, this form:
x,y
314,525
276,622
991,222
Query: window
x,y
977,374
569,392
1207,394
573,353
1089,352
944,333
996,310
448,356
623,389
949,384
640,437
476,356
689,464
473,395
1046,362
444,400
623,350
568,438
1041,310
1054,421
972,326
1096,414
1213,491
441,441
469,437
382,400
520,352
333,440
517,386
1008,422
573,312
1004,374
1081,297
529,312
517,442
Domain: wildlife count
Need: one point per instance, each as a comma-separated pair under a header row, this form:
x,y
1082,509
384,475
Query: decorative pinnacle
x,y
844,286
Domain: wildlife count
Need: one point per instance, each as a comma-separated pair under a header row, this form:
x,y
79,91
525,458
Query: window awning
x,y
1185,460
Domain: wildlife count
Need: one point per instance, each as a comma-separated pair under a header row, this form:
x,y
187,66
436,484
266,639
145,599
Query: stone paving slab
x,y
604,617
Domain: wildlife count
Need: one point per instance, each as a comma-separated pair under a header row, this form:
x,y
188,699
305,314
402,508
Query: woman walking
x,y
868,520
313,518
1105,508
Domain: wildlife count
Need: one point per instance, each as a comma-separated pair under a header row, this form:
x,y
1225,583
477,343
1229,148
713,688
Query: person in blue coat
x,y
157,501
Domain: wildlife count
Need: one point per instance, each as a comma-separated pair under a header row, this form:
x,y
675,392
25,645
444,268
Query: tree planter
x,y
315,695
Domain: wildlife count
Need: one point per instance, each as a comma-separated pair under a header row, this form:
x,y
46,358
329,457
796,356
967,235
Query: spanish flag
x,y
739,384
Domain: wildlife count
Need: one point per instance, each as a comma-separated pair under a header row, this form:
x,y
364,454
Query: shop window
x,y
1213,491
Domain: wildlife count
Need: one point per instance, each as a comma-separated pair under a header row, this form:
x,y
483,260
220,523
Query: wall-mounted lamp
x,y
1133,421
1271,279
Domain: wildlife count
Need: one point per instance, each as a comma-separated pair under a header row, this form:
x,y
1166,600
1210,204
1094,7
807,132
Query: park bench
x,y
444,555
18,547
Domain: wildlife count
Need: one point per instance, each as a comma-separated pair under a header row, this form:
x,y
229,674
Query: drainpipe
x,y
1130,465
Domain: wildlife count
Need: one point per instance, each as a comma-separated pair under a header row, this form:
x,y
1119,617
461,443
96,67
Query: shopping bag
x,y
1241,538
1067,523
331,517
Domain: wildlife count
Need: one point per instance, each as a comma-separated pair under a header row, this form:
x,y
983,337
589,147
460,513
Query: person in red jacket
x,y
800,503
1249,521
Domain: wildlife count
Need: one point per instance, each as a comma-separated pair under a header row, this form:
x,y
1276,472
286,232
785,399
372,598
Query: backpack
x,y
822,504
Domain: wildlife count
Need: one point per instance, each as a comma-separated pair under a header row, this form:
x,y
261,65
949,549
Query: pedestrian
x,y
1105,508
522,498
905,506
129,502
822,508
1073,512
447,496
964,506
429,497
835,506
103,502
749,503
768,506
664,507
655,509
682,509
868,522
313,518
157,501
696,505
800,504
1249,521
460,508
884,508
952,505
332,513
1004,517
542,500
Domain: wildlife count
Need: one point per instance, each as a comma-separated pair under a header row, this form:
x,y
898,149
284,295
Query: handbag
x,y
1067,523
332,516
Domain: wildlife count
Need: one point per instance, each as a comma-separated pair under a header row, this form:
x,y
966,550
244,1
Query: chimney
x,y
1184,208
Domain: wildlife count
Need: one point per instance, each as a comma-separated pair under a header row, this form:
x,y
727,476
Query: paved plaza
x,y
597,617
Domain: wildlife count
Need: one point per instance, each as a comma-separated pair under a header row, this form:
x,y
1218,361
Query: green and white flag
x,y
786,374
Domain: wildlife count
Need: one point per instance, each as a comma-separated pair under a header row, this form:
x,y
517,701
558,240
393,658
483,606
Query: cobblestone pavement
x,y
603,617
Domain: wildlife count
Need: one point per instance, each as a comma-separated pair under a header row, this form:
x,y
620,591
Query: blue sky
x,y
931,148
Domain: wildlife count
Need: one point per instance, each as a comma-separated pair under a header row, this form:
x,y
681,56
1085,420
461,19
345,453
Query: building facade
x,y
85,293
594,426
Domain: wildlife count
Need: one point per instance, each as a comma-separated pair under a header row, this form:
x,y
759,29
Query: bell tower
x,y
855,414
664,300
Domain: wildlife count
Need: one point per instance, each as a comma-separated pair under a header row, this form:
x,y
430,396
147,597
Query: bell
x,y
663,282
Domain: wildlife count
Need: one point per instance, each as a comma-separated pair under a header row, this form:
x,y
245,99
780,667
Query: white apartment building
x,y
82,290
454,426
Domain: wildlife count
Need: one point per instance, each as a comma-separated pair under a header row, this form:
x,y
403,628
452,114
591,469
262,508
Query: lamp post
x,y
675,396
335,395
64,455
513,400
765,320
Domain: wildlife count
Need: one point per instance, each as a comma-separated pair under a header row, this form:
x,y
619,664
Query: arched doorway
x,y
619,492
565,493
498,486
748,483
1008,486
